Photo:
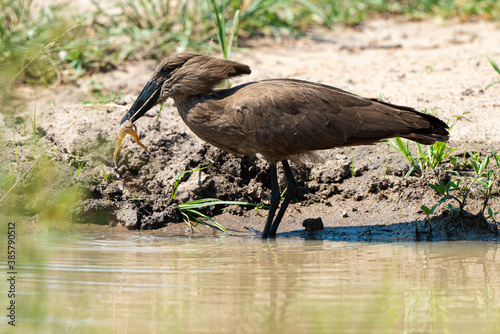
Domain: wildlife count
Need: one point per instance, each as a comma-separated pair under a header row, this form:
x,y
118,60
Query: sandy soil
x,y
359,193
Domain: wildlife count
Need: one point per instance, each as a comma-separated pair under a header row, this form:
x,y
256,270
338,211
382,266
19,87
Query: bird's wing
x,y
297,116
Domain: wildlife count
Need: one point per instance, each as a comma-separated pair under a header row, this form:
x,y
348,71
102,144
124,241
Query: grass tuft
x,y
429,157
191,210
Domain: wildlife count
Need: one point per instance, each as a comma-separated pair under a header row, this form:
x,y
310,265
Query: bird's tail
x,y
437,130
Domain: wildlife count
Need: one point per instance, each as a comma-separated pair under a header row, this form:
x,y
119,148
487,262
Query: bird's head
x,y
185,74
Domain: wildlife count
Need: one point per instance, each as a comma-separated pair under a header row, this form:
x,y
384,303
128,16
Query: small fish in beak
x,y
127,128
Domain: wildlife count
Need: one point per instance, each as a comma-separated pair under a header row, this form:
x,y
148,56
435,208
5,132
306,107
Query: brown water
x,y
131,283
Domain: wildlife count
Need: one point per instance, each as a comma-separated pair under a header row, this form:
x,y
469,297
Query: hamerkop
x,y
282,119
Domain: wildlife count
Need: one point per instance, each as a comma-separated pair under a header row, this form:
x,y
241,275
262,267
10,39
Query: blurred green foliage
x,y
45,194
115,31
23,33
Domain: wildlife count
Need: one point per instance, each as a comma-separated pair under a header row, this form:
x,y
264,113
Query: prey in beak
x,y
127,128
146,100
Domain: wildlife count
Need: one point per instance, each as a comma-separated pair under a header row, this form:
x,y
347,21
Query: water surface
x,y
134,283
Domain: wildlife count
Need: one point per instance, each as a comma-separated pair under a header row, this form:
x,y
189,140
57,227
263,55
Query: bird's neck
x,y
186,103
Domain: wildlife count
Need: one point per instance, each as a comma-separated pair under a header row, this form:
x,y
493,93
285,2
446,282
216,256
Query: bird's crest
x,y
193,74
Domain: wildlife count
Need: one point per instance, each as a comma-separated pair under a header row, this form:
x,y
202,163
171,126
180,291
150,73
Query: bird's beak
x,y
145,101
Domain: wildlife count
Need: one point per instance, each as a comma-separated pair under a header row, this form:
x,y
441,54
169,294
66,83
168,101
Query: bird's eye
x,y
165,70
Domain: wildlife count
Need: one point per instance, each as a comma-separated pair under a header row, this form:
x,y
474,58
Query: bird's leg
x,y
275,200
291,188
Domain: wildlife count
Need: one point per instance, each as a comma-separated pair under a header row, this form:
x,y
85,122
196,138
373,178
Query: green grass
x,y
462,186
426,157
225,43
497,69
138,29
24,32
191,210
355,11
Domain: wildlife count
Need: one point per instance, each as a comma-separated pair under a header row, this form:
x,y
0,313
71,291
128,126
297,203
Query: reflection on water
x,y
130,283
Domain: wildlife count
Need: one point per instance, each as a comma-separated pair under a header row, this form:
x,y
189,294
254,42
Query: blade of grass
x,y
221,26
7,179
191,226
178,180
496,68
494,64
204,202
495,156
197,213
234,32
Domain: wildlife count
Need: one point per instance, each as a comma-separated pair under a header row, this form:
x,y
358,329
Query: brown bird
x,y
282,119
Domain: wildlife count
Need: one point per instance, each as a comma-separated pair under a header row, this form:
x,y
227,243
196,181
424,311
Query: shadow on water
x,y
417,230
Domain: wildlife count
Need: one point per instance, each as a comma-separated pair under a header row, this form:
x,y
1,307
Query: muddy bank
x,y
359,193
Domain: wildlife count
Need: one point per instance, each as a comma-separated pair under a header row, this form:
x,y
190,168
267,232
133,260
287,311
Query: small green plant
x,y
497,69
96,87
491,214
351,166
191,210
179,177
81,166
461,163
430,158
462,116
134,198
435,153
405,150
454,190
429,211
430,68
108,177
487,180
460,189
162,106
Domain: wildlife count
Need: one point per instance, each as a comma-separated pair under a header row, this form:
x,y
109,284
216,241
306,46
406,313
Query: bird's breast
x,y
214,122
